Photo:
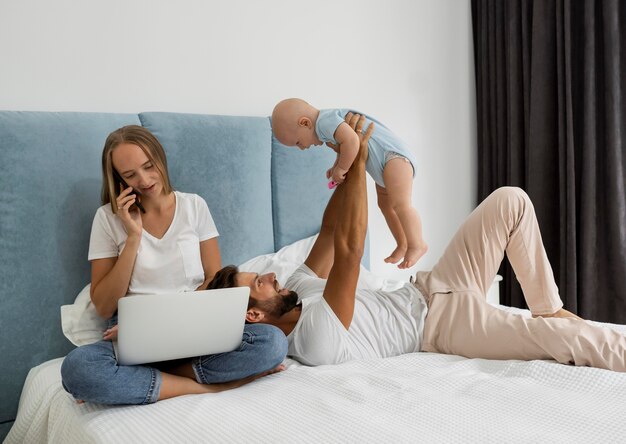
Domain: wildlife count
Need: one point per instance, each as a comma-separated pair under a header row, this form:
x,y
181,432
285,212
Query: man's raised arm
x,y
320,259
349,233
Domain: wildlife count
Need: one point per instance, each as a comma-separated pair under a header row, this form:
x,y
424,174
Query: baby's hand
x,y
339,174
329,172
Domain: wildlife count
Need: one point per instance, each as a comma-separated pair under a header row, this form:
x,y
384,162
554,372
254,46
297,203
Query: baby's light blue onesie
x,y
381,141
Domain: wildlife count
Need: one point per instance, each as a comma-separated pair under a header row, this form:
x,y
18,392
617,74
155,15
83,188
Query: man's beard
x,y
279,305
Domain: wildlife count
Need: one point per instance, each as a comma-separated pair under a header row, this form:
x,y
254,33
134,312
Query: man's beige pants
x,y
461,322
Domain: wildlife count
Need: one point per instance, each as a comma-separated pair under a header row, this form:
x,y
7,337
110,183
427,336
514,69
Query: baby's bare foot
x,y
412,255
396,255
562,313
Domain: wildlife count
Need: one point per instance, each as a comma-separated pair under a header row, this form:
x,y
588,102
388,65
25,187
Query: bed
x,y
267,202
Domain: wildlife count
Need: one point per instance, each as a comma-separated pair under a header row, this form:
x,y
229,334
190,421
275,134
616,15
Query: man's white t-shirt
x,y
169,264
384,323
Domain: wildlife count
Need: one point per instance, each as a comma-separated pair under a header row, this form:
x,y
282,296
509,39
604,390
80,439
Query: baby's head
x,y
293,123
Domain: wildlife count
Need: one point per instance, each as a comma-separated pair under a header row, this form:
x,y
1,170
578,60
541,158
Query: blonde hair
x,y
150,145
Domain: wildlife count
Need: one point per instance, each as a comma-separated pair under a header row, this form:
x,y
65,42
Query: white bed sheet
x,y
420,397
416,397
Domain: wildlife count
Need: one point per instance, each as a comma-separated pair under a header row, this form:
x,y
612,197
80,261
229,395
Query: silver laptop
x,y
162,327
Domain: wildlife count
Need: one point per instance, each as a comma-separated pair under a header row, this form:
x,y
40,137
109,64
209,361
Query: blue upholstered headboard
x,y
261,195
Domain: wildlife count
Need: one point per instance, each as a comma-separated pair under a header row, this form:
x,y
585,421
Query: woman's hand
x,y
110,334
131,219
204,285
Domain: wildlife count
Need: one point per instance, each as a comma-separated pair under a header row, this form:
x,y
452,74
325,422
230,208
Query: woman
x,y
145,239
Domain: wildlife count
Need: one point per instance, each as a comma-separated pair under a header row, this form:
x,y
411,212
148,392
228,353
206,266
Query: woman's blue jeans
x,y
91,372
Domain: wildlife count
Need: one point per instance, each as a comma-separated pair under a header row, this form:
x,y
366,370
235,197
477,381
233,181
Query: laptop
x,y
168,326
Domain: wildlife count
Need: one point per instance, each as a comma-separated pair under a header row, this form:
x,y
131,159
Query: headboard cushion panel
x,y
49,192
300,191
227,161
299,184
262,196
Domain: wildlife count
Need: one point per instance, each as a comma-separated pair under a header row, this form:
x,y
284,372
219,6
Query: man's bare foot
x,y
412,255
396,255
562,313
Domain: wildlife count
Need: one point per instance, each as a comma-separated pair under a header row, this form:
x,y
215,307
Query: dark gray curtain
x,y
550,95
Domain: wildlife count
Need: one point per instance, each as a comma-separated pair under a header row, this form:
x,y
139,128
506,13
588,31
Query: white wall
x,y
407,62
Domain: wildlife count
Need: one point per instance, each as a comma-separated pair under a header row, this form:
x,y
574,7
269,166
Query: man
x,y
444,311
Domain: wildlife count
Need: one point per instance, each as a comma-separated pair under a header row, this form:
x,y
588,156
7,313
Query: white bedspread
x,y
419,397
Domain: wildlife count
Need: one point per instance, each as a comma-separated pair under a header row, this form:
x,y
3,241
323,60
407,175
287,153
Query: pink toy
x,y
332,184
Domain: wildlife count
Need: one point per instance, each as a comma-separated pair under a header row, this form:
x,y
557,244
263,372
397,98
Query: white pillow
x,y
82,325
285,261
80,321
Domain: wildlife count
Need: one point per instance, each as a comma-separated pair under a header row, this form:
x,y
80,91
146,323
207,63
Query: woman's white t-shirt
x,y
169,264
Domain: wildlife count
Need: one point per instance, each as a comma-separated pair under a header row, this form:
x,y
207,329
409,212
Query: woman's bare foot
x,y
215,388
412,255
562,313
396,255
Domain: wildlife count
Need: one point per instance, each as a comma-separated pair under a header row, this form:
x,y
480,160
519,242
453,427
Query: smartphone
x,y
135,192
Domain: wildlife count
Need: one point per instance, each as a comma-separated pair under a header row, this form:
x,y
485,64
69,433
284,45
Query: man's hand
x,y
356,122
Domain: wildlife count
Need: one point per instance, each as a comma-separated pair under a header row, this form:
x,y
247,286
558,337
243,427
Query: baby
x,y
390,164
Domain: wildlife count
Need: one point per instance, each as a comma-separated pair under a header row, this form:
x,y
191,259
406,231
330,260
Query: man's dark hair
x,y
225,278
